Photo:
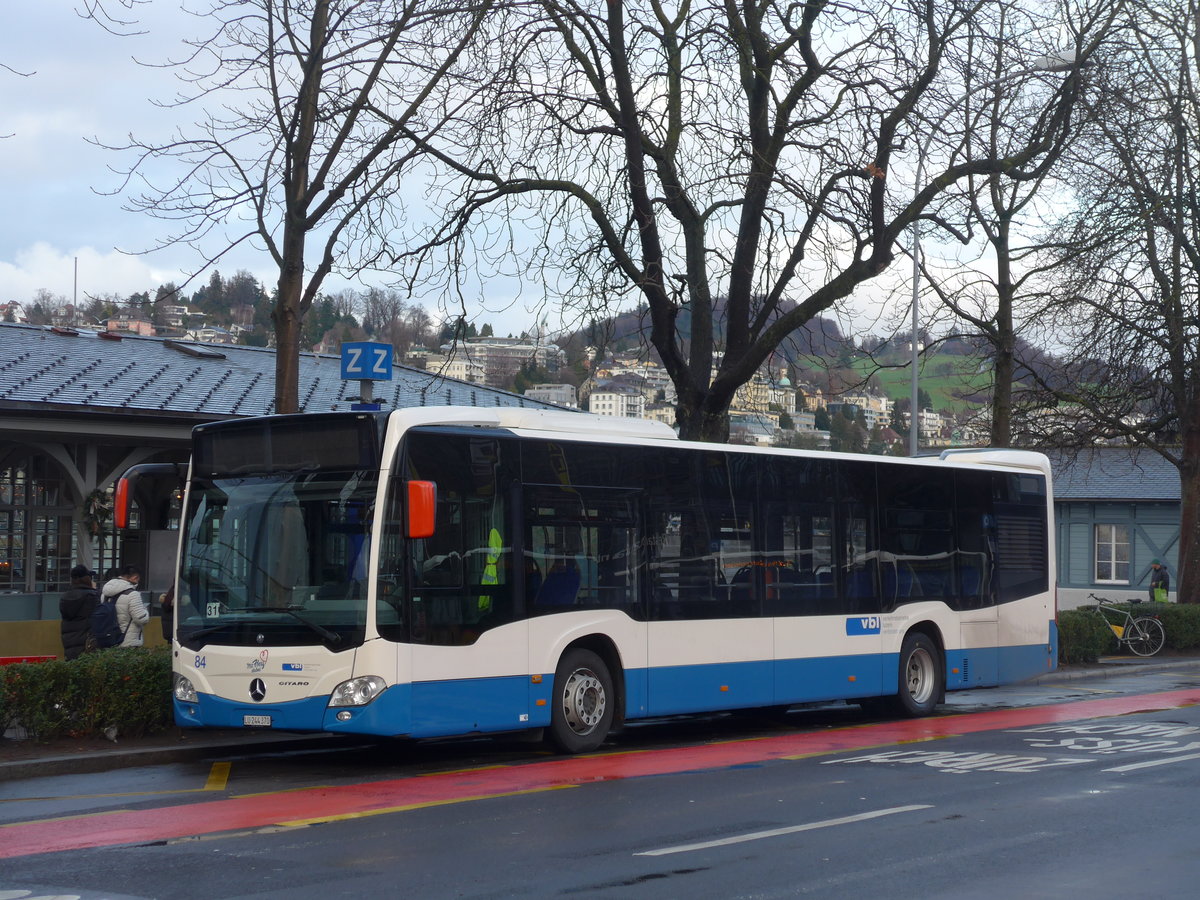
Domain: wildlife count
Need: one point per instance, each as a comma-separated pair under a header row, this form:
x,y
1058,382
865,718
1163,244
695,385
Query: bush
x,y
1180,621
127,689
1083,638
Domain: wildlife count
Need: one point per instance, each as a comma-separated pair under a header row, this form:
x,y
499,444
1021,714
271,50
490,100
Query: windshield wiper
x,y
212,629
332,636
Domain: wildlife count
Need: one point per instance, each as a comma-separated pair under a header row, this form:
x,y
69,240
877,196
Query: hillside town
x,y
775,408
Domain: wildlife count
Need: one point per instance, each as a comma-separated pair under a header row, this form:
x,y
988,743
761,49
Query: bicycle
x,y
1144,635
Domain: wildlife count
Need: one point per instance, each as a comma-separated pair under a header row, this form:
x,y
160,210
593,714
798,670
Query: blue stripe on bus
x,y
489,705
1028,661
474,705
834,677
685,689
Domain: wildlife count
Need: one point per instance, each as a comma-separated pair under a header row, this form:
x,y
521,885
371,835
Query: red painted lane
x,y
239,813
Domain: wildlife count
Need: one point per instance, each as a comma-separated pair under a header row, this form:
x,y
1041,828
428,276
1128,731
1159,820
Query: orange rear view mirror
x,y
422,505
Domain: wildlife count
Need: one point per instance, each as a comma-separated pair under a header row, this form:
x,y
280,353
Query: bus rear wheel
x,y
920,676
582,711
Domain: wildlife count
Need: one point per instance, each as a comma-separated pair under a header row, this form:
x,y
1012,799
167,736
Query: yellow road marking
x,y
295,790
341,817
92,815
468,770
218,776
832,750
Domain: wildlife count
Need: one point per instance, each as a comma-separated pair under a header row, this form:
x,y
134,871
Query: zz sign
x,y
367,361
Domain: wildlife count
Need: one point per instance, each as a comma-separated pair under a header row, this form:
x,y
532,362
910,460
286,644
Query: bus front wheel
x,y
583,702
920,676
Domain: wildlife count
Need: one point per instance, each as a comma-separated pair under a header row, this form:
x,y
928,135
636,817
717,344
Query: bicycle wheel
x,y
1146,636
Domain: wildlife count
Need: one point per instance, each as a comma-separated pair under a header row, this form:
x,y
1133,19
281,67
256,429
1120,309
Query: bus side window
x,y
975,528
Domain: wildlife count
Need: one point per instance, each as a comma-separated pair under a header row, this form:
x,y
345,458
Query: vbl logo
x,y
863,625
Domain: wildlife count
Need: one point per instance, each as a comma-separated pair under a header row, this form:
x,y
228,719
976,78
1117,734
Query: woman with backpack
x,y
132,614
75,606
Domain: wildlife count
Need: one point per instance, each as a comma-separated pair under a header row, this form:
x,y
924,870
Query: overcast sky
x,y
77,82
71,83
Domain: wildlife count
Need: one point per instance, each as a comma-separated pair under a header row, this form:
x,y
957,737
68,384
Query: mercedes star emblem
x,y
258,690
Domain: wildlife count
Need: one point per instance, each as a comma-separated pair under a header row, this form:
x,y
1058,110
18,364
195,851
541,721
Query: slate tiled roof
x,y
1114,473
47,370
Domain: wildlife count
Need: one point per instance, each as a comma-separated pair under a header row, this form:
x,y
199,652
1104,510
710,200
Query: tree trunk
x,y
1005,342
1002,370
286,318
1186,589
697,422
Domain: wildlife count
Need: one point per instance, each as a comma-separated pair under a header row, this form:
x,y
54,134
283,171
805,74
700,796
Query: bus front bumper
x,y
387,715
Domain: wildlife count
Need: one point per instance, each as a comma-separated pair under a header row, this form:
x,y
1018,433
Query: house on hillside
x,y
1116,510
563,395
130,323
13,312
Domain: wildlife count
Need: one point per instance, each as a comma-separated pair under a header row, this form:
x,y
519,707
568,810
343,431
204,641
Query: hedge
x,y
1084,638
123,691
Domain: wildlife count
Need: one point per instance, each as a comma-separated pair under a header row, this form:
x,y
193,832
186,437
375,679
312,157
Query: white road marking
x,y
1153,762
776,832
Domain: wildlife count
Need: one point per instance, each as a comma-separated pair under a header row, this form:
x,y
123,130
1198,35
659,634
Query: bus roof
x,y
997,456
583,426
533,421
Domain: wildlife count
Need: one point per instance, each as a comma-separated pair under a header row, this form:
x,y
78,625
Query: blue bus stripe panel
x,y
493,705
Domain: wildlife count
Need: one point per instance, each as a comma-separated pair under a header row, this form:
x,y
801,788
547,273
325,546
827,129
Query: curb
x,y
123,758
1114,667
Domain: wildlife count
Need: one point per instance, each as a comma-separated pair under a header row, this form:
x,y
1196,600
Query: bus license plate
x,y
259,721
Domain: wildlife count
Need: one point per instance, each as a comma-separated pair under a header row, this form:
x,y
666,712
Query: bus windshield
x,y
279,559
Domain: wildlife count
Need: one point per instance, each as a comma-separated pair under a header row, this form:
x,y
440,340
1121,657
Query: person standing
x,y
1160,581
75,606
167,602
132,614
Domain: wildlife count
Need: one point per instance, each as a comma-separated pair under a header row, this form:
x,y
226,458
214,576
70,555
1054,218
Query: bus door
x,y
974,594
465,616
582,562
709,644
863,662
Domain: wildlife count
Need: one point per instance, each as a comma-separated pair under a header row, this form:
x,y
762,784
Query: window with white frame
x,y
1112,554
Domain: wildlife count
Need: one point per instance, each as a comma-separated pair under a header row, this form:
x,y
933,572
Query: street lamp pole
x,y
1053,63
914,422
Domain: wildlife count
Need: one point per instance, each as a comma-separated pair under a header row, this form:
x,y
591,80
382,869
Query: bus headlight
x,y
185,692
357,691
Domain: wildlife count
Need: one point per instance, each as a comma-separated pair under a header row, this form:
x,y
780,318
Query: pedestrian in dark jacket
x,y
1160,581
167,602
75,606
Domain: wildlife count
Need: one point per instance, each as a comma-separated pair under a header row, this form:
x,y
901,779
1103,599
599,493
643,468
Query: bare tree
x,y
386,316
309,107
46,306
6,68
114,16
739,168
1130,323
1007,213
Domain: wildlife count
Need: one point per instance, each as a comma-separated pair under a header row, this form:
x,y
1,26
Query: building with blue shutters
x,y
1116,511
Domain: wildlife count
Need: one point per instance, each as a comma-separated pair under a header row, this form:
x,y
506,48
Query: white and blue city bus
x,y
450,571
